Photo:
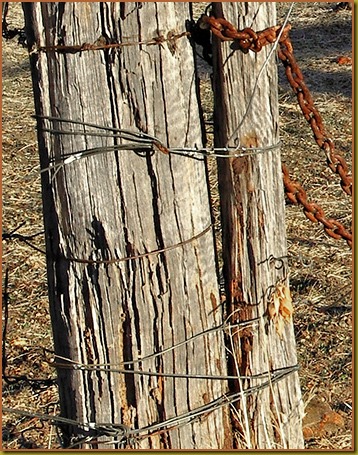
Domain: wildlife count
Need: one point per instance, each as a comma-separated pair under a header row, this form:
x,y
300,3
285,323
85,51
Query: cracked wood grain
x,y
116,205
252,205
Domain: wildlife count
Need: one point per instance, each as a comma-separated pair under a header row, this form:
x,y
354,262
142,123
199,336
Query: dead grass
x,y
28,328
320,267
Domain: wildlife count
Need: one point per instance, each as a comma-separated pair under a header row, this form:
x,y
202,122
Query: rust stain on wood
x,y
213,301
249,140
239,165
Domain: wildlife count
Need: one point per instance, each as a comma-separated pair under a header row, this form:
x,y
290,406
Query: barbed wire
x,y
12,235
102,44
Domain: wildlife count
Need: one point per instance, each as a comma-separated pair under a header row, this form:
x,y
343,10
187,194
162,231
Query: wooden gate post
x,y
254,237
101,209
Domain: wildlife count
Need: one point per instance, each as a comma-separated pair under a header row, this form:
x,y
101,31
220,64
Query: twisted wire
x,y
115,430
139,142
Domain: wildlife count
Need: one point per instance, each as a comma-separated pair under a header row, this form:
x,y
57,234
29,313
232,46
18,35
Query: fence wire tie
x,y
108,368
218,403
141,143
105,429
115,430
94,367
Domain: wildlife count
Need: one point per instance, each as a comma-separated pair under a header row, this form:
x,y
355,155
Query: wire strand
x,y
141,143
272,50
169,424
141,255
224,327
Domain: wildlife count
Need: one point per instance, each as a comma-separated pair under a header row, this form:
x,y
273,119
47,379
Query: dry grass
x,y
320,266
28,328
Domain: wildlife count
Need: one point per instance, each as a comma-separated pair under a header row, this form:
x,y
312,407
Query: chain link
x,y
294,75
297,195
247,39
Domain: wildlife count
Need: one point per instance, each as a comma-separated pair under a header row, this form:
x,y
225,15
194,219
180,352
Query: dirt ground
x,y
320,267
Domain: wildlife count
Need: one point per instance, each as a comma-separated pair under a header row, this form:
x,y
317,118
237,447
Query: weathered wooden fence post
x,y
254,237
114,205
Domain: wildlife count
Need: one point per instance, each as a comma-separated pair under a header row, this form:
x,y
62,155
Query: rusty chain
x,y
246,40
297,195
294,75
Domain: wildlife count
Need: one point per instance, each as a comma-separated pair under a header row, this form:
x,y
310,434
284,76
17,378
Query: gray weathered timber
x,y
252,204
121,204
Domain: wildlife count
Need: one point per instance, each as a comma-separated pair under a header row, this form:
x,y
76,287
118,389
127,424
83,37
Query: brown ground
x,y
320,266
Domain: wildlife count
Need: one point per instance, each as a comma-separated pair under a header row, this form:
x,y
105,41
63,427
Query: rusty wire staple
x,y
248,39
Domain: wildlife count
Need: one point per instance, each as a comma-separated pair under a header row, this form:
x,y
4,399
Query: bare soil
x,y
320,267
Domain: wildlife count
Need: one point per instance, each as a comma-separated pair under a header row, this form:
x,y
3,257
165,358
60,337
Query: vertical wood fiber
x,y
252,204
120,204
